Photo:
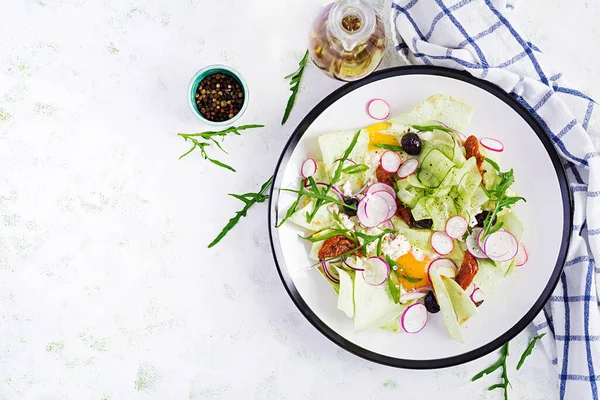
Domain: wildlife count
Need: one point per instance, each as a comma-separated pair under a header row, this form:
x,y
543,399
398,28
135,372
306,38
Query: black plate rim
x,y
440,362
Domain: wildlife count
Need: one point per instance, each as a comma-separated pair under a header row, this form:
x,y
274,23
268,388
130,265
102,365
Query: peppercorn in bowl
x,y
218,95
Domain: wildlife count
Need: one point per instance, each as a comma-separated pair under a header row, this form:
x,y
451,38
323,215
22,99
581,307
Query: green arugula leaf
x,y
500,363
429,128
355,169
210,137
492,163
529,349
295,77
249,199
501,201
404,275
394,290
388,146
293,207
336,177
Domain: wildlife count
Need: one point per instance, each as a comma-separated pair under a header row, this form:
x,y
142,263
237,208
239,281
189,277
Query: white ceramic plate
x,y
546,216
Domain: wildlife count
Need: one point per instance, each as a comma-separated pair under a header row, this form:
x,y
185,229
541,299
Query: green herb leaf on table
x,y
529,349
210,137
295,77
500,363
249,199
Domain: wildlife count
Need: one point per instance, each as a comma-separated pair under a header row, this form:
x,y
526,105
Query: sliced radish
x,y
331,273
376,208
477,296
380,186
522,256
309,167
441,243
456,227
492,144
390,201
501,246
351,262
471,289
333,189
444,266
473,244
414,318
390,161
378,109
412,296
480,239
376,271
408,168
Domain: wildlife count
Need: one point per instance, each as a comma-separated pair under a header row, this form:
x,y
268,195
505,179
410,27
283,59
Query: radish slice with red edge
x,y
378,109
456,227
414,318
376,187
522,256
480,239
473,244
350,262
376,208
309,167
441,243
444,266
331,274
408,168
492,144
412,296
376,271
390,161
390,201
501,246
477,296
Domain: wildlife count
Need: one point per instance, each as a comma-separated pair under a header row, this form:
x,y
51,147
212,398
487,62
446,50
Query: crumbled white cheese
x,y
346,221
373,158
417,253
473,220
333,208
395,248
347,189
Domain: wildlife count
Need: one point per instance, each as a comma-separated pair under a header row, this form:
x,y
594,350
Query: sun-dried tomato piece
x,y
383,176
404,213
472,150
336,246
468,270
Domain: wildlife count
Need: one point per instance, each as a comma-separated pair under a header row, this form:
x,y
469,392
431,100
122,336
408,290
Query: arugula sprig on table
x,y
500,199
204,139
295,78
529,349
249,199
500,363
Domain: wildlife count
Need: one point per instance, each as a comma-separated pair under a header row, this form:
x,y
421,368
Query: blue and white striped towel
x,y
476,36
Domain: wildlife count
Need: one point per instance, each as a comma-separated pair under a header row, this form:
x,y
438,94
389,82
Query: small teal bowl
x,y
210,70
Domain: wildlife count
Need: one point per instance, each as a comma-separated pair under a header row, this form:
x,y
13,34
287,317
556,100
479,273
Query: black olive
x,y
411,143
431,303
424,223
351,201
481,218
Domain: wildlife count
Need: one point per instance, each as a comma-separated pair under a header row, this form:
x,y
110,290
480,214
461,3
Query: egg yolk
x,y
376,136
415,269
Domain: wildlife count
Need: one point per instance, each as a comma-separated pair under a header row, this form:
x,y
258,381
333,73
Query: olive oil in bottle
x,y
347,39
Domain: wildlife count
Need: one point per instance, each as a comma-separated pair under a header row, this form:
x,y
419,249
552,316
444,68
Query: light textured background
x,y
107,289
